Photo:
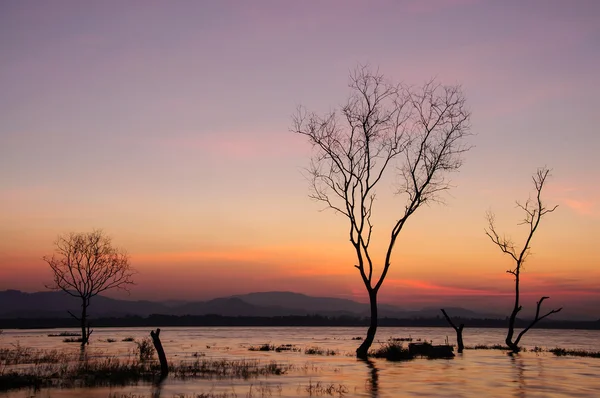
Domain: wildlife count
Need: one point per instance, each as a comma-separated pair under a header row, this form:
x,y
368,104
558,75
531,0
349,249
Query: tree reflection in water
x,y
372,382
519,368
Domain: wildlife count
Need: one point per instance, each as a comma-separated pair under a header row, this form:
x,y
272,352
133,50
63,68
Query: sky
x,y
167,125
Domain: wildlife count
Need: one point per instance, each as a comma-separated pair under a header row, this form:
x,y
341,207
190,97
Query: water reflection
x,y
473,374
518,367
372,382
157,387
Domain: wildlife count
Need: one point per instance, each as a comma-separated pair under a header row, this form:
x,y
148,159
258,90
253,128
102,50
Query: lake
x,y
476,373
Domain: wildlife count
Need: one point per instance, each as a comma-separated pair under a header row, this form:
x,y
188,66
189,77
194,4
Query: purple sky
x,y
166,124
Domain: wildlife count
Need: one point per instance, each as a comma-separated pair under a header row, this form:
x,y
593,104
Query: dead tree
x,y
459,330
534,211
86,264
164,366
414,134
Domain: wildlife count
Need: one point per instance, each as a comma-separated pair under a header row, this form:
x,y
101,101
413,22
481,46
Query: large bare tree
x,y
86,264
414,134
534,210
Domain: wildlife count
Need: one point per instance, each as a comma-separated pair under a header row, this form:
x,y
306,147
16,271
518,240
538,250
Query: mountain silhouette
x,y
55,304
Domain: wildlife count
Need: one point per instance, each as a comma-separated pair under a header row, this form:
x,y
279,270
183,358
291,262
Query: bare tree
x,y
534,211
458,329
86,264
416,134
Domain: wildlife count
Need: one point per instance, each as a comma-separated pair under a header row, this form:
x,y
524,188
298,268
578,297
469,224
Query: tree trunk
x,y
84,334
164,366
459,338
362,351
513,317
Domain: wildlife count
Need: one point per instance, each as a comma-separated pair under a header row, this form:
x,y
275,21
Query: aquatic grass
x,y
113,371
559,352
325,389
486,347
320,351
18,355
402,339
271,347
287,347
263,347
72,340
65,334
145,349
25,367
221,368
392,351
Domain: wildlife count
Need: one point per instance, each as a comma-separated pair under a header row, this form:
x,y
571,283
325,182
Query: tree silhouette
x,y
458,329
383,128
534,211
85,264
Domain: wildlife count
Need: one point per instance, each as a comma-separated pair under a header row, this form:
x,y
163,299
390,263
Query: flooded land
x,y
312,361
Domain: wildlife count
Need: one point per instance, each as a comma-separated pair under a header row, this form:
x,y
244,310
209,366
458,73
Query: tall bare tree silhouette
x,y
85,264
416,134
534,210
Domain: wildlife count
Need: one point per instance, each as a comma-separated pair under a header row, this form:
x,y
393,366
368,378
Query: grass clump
x,y
560,352
392,351
287,347
223,369
19,355
401,339
325,389
263,347
28,368
486,347
271,347
320,351
65,334
73,340
145,349
128,339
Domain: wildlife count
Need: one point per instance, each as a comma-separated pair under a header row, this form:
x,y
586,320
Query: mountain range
x,y
56,304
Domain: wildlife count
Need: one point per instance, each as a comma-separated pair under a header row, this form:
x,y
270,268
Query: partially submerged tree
x,y
415,134
534,211
86,264
458,329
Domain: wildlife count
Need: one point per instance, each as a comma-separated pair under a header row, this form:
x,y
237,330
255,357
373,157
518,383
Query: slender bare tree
x,y
458,329
86,264
534,211
384,128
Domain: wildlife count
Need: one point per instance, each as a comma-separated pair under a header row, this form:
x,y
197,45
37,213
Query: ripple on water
x,y
476,373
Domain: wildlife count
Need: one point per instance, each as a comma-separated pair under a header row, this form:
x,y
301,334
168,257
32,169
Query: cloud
x,y
582,207
581,199
238,145
428,288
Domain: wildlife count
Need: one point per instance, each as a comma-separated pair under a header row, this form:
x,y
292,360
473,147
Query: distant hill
x,y
55,304
17,304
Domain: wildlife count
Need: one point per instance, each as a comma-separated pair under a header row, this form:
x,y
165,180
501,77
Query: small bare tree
x,y
417,134
86,264
534,211
458,329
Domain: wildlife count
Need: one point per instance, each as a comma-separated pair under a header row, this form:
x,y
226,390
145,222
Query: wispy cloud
x,y
238,145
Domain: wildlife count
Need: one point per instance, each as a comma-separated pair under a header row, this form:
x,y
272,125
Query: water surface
x,y
476,373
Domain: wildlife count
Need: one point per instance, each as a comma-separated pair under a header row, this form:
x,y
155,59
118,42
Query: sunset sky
x,y
166,124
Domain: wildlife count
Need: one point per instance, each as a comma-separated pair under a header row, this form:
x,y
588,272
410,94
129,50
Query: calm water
x,y
476,373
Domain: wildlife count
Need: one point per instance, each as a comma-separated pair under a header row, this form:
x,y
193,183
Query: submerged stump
x,y
164,366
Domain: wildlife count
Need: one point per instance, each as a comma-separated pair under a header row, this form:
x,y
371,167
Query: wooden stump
x,y
164,366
